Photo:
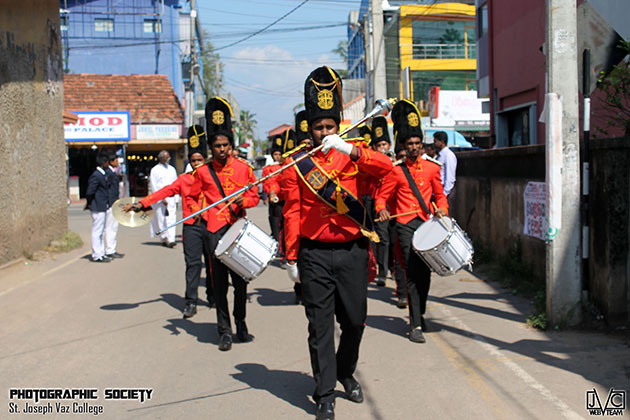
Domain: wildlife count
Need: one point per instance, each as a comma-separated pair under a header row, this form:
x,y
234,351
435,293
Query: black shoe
x,y
116,255
325,411
352,389
298,300
211,302
103,259
241,331
402,302
190,310
171,244
416,335
225,342
380,281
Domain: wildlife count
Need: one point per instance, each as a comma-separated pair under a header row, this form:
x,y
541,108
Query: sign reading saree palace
x,y
99,126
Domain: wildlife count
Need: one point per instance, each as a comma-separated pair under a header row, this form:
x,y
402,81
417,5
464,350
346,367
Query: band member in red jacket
x,y
217,179
325,225
275,200
425,175
194,232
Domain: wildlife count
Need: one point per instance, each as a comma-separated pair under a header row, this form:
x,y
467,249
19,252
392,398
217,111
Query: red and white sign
x,y
99,126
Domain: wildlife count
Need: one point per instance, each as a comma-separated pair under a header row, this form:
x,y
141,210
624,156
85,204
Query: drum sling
x,y
415,189
216,181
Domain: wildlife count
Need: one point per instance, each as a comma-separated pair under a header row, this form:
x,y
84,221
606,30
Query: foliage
x,y
245,129
67,242
342,51
212,68
616,87
539,318
451,36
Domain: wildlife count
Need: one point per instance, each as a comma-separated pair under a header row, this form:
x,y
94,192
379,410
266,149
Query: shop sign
x,y
157,132
99,126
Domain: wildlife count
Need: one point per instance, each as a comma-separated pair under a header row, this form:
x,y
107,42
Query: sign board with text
x,y
157,132
99,126
534,198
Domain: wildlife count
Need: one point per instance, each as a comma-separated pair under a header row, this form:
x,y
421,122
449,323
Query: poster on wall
x,y
99,126
534,198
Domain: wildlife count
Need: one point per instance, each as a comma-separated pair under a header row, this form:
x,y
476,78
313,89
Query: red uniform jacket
x,y
234,175
185,186
427,177
307,216
272,183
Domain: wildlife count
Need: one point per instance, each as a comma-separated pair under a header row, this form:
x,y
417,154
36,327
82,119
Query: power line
x,y
263,29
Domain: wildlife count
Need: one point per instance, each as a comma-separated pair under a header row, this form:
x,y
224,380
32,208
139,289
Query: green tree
x,y
245,127
342,51
212,67
616,87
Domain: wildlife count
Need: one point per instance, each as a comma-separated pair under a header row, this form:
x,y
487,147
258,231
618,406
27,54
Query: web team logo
x,y
615,403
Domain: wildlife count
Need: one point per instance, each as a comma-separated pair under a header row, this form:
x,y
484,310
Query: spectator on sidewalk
x,y
97,197
164,214
449,164
111,224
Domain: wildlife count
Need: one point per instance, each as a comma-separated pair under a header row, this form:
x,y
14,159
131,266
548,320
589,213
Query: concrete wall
x,y
609,265
489,207
33,206
489,200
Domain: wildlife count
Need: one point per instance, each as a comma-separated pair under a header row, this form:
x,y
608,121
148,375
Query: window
x,y
152,26
445,79
482,20
443,39
64,22
104,25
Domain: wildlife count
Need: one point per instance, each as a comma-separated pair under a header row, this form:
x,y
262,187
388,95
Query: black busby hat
x,y
322,95
219,119
366,133
301,126
197,142
379,130
289,142
277,144
406,119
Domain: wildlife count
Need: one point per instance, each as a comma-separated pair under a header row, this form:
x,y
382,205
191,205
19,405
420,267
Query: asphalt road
x,y
69,323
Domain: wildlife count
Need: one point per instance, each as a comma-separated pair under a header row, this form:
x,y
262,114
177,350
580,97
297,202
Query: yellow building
x,y
437,43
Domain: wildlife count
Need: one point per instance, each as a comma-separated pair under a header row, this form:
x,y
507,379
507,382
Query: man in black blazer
x,y
111,225
97,197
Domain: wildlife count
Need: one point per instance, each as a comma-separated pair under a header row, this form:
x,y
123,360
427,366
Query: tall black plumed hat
x,y
366,133
379,130
406,118
301,126
219,119
322,95
197,141
277,144
289,142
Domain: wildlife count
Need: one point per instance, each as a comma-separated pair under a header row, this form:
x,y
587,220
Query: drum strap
x,y
415,189
216,181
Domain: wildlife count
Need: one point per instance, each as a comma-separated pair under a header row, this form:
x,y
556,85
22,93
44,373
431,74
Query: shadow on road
x,y
206,332
175,301
292,387
394,325
270,297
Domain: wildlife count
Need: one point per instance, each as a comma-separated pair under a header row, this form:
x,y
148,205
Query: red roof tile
x,y
149,98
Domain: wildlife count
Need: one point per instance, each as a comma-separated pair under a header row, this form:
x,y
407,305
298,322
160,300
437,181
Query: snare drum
x,y
246,249
443,245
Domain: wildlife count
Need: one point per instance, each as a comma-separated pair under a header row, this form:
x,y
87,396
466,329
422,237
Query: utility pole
x,y
379,81
563,270
190,101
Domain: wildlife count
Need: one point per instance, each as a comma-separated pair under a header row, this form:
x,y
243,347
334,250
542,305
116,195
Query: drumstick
x,y
436,212
404,214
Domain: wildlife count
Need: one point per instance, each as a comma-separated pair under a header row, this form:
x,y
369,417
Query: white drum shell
x,y
250,253
453,250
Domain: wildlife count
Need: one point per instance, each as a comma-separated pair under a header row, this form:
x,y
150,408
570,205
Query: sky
x,y
266,72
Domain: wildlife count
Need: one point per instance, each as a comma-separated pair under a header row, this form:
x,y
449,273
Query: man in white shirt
x,y
449,164
164,214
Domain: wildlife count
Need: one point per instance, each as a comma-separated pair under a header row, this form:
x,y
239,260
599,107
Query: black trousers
x,y
383,229
396,263
418,273
220,285
195,241
334,280
276,223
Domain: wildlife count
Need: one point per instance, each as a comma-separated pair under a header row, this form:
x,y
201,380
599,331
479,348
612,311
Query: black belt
x,y
310,243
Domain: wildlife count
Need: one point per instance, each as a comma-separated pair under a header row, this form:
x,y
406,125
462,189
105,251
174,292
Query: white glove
x,y
292,271
333,141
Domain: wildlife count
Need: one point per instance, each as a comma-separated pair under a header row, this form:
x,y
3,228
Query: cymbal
x,y
131,218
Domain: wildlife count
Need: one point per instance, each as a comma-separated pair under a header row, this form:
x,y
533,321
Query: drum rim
x,y
238,237
448,236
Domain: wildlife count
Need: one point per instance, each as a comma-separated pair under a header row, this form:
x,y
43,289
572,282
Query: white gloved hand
x,y
334,141
292,271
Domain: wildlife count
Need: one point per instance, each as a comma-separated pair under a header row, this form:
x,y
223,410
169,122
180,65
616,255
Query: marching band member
x,y
217,179
413,182
271,187
194,232
324,223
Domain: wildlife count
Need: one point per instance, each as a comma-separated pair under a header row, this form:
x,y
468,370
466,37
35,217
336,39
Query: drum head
x,y
230,236
431,233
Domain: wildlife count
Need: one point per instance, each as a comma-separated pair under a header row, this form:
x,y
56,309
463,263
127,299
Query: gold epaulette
x,y
433,160
246,162
292,151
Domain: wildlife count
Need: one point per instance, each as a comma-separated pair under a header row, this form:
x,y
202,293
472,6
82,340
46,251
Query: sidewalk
x,y
69,323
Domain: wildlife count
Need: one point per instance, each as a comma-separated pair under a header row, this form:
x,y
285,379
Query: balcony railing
x,y
443,51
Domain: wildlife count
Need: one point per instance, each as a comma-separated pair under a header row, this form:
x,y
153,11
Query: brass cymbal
x,y
131,218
